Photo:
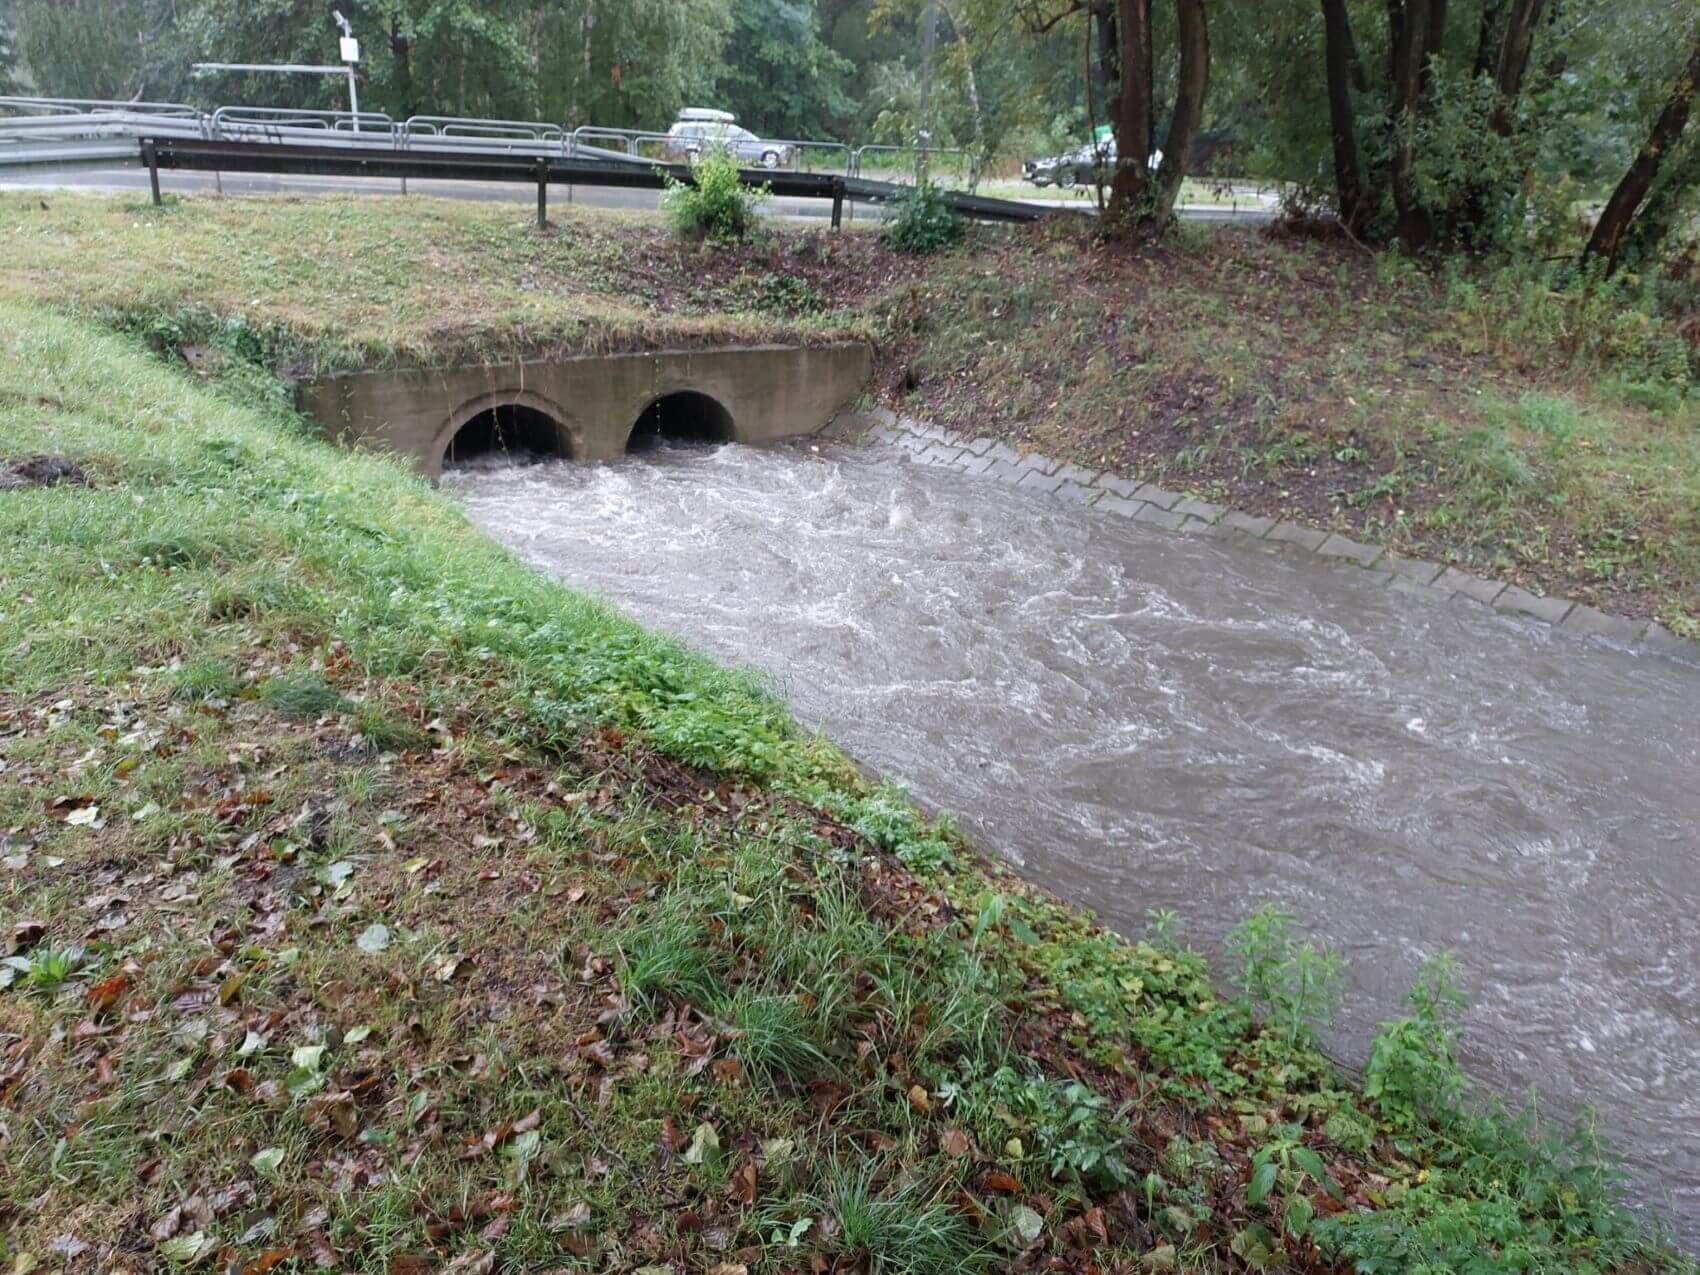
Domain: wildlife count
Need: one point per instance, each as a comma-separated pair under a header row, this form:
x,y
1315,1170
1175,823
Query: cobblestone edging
x,y
931,445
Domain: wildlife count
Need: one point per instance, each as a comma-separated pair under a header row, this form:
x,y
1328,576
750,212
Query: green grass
x,y
1541,435
1492,417
596,961
324,285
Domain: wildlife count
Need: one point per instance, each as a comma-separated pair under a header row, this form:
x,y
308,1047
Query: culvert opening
x,y
508,434
684,417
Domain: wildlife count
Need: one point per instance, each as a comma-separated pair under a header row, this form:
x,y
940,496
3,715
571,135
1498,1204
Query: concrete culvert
x,y
509,433
684,417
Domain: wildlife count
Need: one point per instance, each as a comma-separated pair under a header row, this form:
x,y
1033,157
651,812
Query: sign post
x,y
350,55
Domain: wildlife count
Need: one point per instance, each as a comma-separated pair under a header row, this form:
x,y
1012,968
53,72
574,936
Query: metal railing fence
x,y
943,165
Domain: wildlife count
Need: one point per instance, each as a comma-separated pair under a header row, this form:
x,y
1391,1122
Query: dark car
x,y
1084,166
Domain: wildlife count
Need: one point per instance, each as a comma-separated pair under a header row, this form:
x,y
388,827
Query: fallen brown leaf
x,y
105,994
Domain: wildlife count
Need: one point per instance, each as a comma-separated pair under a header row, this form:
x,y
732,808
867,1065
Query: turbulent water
x,y
1144,720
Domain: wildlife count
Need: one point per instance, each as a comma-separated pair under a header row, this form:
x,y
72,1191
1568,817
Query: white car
x,y
698,130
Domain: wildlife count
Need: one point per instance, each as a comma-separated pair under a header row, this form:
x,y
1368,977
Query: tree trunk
x,y
1667,208
1619,215
970,85
1514,52
1130,189
1193,32
1409,22
1434,42
401,48
1487,38
1109,57
1339,54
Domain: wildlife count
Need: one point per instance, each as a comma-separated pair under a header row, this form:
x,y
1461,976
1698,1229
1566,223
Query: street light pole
x,y
350,55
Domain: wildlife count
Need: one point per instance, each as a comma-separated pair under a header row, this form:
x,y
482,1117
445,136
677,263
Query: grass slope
x,y
1483,419
328,284
1548,438
374,904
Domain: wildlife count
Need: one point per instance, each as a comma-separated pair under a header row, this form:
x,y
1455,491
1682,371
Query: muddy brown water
x,y
1143,720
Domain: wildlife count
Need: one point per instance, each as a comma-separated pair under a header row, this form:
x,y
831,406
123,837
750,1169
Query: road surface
x,y
120,179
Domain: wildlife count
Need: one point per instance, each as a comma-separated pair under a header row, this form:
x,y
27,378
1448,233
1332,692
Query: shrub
x,y
715,204
923,222
1294,983
1413,1063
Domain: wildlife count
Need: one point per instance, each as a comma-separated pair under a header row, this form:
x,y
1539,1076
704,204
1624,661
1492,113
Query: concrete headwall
x,y
770,392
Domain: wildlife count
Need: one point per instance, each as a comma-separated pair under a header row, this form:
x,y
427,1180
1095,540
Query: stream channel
x,y
1146,720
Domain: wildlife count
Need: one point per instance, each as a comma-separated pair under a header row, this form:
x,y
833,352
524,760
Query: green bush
x,y
923,222
1413,1067
715,204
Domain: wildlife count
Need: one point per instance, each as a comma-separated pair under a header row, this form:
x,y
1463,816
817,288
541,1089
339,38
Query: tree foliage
x,y
1473,124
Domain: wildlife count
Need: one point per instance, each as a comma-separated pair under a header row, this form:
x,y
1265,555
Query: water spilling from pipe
x,y
1143,720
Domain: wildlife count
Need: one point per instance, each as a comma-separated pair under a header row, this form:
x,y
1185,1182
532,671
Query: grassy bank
x,y
375,904
315,285
1488,421
1483,420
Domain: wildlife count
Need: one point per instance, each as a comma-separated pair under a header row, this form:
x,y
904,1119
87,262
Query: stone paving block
x,y
1658,640
932,433
977,446
1250,525
1585,621
1157,496
1120,505
1160,517
1075,474
1340,547
1004,471
1456,581
1410,568
1298,534
1115,483
1414,588
1038,463
1202,510
1521,602
940,454
1036,480
1003,452
1078,494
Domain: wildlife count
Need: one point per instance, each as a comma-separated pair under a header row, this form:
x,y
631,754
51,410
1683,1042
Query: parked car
x,y
698,130
1083,166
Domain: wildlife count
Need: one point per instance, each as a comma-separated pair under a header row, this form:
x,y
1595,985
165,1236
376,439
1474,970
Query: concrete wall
x,y
771,392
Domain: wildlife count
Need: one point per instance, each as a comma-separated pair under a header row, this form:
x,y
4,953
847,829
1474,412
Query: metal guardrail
x,y
90,105
644,144
64,132
457,126
628,140
240,117
921,159
314,156
802,155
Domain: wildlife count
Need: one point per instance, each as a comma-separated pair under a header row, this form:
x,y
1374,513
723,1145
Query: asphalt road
x,y
134,180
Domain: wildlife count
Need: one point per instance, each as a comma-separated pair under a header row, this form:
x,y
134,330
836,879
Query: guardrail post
x,y
542,167
838,203
151,157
